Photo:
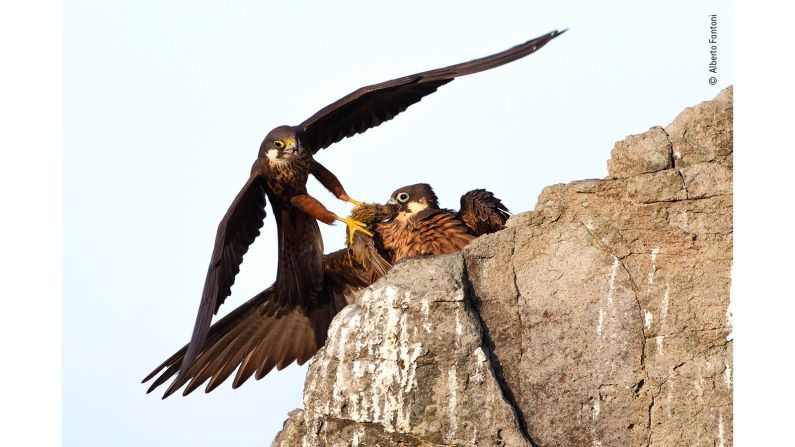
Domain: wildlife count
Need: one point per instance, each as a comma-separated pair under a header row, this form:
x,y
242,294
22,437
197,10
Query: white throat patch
x,y
272,154
275,160
414,208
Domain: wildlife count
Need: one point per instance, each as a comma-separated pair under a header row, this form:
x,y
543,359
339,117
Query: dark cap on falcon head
x,y
414,198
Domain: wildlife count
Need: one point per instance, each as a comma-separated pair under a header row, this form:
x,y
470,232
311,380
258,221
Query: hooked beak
x,y
394,202
292,147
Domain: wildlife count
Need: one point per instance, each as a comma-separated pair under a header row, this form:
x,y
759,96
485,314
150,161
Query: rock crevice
x,y
600,318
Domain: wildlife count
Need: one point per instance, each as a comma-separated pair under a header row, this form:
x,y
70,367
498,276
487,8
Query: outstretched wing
x,y
237,230
254,338
262,334
370,106
482,212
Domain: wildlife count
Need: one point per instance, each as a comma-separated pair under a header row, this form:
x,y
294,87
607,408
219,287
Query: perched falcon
x,y
280,173
262,334
421,228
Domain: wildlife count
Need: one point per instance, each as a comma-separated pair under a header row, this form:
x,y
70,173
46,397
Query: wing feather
x,y
370,106
482,212
239,227
262,333
246,339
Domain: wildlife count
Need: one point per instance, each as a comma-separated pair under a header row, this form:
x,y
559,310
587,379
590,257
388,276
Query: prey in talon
x,y
369,214
367,250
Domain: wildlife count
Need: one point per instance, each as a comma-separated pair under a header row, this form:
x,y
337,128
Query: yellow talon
x,y
355,202
353,227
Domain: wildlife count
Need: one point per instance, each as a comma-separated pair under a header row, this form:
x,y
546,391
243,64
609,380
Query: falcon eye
x,y
279,144
403,197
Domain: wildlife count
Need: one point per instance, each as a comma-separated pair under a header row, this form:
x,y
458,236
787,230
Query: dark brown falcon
x,y
262,334
280,173
421,228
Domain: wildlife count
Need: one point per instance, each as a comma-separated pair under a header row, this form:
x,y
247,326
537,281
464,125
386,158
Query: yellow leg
x,y
353,227
347,198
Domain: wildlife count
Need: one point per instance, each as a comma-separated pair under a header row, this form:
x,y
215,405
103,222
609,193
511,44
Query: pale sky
x,y
165,105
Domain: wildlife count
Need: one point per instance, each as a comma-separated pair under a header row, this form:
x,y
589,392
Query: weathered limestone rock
x,y
639,154
704,133
293,431
601,318
663,186
407,365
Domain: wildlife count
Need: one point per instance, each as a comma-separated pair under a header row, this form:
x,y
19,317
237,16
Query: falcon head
x,y
412,199
281,145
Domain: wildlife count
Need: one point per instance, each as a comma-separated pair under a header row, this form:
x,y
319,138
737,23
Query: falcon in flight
x,y
280,172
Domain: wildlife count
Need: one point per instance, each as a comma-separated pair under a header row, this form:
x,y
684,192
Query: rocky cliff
x,y
601,318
